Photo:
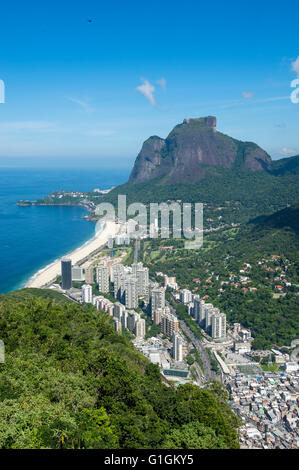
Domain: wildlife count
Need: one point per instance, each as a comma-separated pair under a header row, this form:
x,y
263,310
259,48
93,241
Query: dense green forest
x,y
70,381
250,272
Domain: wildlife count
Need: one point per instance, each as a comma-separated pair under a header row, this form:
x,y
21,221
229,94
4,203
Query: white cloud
x,y
247,94
162,83
83,103
147,90
287,151
295,66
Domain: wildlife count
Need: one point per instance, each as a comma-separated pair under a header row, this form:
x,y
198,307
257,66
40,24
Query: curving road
x,y
208,372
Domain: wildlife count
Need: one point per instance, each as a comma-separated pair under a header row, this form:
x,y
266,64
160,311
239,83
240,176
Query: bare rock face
x,y
190,148
148,161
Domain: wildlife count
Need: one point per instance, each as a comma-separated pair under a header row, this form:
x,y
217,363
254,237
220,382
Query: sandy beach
x,y
50,272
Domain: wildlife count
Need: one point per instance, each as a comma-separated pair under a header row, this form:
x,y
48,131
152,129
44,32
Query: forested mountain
x,y
70,381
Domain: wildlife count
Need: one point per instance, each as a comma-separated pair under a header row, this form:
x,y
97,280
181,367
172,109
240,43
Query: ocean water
x,y
32,237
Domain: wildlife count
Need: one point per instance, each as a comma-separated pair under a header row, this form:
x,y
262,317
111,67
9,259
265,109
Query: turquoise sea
x,y
32,237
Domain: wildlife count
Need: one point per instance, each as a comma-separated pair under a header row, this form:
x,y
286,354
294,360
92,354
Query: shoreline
x,y
49,273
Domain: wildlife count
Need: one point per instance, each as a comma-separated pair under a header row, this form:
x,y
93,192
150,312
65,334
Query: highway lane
x,y
208,372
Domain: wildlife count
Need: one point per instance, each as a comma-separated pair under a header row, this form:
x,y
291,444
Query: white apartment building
x,y
158,316
117,273
209,311
86,294
157,299
218,325
131,291
102,278
140,328
177,347
186,296
142,275
118,310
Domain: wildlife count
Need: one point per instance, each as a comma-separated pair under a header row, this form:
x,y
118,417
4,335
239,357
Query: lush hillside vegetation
x,y
250,272
28,293
69,381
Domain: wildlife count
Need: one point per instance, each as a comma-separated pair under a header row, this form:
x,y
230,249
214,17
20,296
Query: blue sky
x,y
71,86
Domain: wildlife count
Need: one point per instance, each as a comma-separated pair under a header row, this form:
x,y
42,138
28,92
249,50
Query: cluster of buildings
x,y
208,317
161,315
122,317
131,284
267,406
134,284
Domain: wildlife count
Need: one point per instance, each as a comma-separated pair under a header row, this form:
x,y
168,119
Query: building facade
x,y
66,274
87,294
102,278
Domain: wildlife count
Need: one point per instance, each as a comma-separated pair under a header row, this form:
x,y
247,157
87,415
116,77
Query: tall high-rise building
x,y
169,324
131,291
143,282
205,322
89,275
132,319
102,278
66,273
118,310
157,299
140,328
117,273
209,315
87,294
199,311
142,274
196,307
202,314
186,296
218,325
158,316
177,347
